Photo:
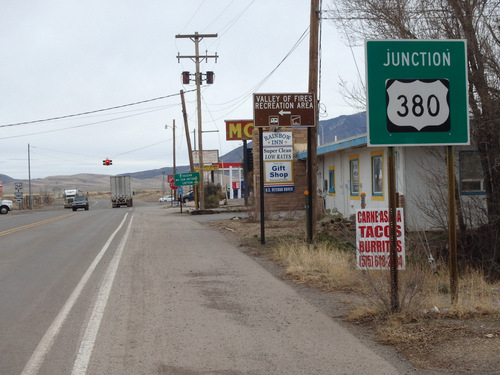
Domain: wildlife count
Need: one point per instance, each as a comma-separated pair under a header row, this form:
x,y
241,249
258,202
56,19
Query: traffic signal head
x,y
210,77
107,162
250,159
185,78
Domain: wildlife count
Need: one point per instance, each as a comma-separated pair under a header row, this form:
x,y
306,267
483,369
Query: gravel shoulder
x,y
435,346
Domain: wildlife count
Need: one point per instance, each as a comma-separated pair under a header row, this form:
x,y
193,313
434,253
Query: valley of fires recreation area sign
x,y
297,110
417,92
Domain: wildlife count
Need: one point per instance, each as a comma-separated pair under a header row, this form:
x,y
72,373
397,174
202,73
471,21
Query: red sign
x,y
171,181
239,130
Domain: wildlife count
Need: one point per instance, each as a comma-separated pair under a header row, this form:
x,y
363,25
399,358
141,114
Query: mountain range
x,y
329,131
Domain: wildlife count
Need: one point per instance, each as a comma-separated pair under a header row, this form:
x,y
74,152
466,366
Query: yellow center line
x,y
32,225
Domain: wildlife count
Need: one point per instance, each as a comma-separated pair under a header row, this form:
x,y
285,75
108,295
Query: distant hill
x,y
5,179
341,127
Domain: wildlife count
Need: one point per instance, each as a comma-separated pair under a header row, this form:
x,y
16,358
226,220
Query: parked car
x,y
166,198
189,197
80,202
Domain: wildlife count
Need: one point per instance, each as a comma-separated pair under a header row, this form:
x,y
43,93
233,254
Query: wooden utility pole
x,y
196,38
312,143
186,128
173,135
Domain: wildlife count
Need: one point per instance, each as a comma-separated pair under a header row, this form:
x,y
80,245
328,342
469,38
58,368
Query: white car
x,y
166,198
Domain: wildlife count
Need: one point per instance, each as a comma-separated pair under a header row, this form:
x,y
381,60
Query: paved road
x,y
171,296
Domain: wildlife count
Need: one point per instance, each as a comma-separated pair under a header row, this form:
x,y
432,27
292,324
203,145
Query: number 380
x,y
418,106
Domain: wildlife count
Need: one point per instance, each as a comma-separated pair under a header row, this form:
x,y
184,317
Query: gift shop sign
x,y
372,239
277,149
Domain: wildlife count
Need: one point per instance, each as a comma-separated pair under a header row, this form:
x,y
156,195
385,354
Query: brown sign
x,y
284,110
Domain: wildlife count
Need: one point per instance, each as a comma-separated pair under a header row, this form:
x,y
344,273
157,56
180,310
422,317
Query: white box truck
x,y
69,196
121,191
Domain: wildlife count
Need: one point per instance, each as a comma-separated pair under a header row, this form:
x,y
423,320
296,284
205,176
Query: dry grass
x,y
420,290
317,265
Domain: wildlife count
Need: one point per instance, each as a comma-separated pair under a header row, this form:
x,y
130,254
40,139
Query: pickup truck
x,y
80,202
5,206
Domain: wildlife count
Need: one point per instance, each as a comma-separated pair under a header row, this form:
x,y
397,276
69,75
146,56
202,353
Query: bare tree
x,y
477,21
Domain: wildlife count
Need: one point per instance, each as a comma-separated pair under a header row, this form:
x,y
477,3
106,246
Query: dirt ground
x,y
436,345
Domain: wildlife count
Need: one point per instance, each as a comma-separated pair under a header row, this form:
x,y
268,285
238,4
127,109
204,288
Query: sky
x,y
83,81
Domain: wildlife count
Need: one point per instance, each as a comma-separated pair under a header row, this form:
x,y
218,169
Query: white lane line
x,y
87,345
38,356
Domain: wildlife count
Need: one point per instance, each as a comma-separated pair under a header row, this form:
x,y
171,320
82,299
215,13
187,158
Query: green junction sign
x,y
186,179
417,92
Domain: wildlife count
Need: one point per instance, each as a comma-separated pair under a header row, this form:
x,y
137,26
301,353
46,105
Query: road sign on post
x,y
417,92
187,179
284,110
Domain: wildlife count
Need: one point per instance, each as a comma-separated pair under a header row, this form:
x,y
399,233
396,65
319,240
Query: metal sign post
x,y
418,96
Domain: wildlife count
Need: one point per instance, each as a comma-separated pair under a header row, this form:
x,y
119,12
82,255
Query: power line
x,y
89,112
79,126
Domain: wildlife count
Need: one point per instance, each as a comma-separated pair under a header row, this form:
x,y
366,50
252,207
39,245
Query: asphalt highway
x,y
147,290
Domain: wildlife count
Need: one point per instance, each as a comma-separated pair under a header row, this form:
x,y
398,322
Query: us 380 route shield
x,y
417,92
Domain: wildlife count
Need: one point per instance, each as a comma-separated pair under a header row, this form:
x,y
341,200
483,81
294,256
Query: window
x,y
354,175
377,174
331,180
470,172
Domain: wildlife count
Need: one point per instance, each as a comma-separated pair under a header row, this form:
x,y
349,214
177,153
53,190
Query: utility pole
x,y
312,143
196,38
29,179
173,151
186,128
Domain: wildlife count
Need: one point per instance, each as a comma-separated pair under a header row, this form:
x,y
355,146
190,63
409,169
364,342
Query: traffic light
x,y
107,161
250,159
210,77
185,78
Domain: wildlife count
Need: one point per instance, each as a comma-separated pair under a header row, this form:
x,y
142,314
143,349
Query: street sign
x,y
417,92
208,168
185,179
209,156
18,195
171,181
278,162
297,110
18,186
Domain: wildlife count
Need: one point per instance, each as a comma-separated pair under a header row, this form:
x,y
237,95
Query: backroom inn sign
x,y
417,92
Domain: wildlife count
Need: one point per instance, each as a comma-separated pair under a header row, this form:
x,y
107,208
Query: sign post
x,y
295,110
18,195
417,96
